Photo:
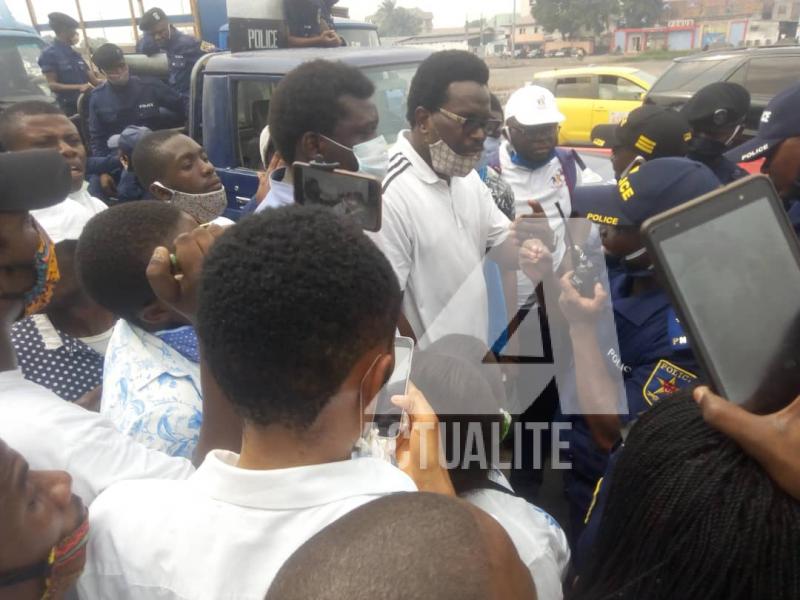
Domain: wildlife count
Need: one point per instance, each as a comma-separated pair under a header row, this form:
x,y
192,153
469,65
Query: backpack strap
x,y
570,163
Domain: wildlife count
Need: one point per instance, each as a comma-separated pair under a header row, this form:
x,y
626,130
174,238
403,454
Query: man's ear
x,y
160,193
309,147
375,379
156,316
422,120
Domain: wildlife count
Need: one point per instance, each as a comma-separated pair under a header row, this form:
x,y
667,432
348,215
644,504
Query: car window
x,y
546,82
770,75
22,77
690,76
618,88
391,94
359,38
252,108
575,87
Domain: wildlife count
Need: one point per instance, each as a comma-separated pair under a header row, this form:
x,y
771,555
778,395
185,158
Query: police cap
x,y
652,131
61,22
779,122
33,179
127,140
108,56
151,18
649,189
717,106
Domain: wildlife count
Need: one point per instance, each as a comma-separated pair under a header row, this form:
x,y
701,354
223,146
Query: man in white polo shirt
x,y
300,369
439,219
52,434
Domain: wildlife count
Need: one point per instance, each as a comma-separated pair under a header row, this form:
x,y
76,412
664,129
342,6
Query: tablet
x,y
731,263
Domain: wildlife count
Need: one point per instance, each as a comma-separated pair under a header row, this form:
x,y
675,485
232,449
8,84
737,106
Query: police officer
x,y
182,50
653,357
649,132
67,73
716,114
778,142
307,26
127,100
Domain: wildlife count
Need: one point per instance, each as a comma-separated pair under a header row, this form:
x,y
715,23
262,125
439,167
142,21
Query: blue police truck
x,y
20,47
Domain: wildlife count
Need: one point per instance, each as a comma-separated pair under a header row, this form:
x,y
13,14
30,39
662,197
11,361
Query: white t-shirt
x,y
66,220
224,532
548,186
52,434
538,538
435,236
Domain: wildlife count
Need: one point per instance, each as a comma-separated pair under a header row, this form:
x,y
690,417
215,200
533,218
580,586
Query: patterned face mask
x,y
47,275
446,161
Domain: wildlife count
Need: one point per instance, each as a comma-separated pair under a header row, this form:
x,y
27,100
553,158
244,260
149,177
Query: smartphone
x,y
731,262
352,195
387,416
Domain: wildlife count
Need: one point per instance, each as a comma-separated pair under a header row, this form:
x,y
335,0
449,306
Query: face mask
x,y
706,148
203,207
636,271
47,275
372,156
447,162
491,153
183,340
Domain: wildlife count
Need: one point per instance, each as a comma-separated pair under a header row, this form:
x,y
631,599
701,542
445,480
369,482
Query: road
x,y
509,75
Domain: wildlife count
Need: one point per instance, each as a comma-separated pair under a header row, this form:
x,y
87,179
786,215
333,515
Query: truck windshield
x,y
359,37
391,92
22,77
690,76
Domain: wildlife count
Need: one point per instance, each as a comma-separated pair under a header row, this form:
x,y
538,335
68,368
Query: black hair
x,y
470,423
308,100
290,300
370,552
114,250
433,78
690,516
149,158
497,106
10,117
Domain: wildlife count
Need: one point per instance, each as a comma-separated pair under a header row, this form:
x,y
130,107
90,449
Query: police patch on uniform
x,y
665,380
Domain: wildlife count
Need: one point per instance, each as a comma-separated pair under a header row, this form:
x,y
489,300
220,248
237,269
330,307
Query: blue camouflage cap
x,y
649,189
779,122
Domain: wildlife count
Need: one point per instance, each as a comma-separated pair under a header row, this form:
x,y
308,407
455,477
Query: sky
x,y
447,13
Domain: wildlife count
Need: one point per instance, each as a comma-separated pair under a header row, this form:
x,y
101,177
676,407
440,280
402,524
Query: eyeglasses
x,y
537,132
470,125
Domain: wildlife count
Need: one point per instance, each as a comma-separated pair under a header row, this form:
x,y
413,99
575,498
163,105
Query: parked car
x,y
763,71
590,96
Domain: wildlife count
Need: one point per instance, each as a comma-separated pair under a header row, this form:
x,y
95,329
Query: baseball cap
x,y
533,105
127,140
649,189
107,56
150,18
653,131
33,179
779,121
717,106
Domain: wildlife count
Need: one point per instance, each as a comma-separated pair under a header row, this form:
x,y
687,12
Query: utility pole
x,y
514,29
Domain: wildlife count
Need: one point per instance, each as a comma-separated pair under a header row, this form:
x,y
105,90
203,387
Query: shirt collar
x,y
298,487
280,192
421,169
637,309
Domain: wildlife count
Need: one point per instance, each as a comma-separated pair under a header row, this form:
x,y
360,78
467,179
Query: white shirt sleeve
x,y
396,239
498,224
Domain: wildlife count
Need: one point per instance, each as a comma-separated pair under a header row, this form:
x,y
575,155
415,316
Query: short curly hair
x,y
290,300
114,250
434,76
308,99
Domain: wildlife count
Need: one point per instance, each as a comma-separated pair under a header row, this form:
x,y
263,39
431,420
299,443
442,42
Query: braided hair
x,y
690,516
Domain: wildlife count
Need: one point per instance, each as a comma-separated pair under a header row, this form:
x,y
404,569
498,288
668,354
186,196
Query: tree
x,y
394,21
571,16
641,13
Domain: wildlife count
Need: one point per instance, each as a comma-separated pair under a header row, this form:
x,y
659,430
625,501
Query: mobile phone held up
x,y
731,263
389,418
352,195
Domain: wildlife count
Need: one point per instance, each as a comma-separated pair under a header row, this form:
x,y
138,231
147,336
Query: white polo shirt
x,y
436,235
52,434
548,186
224,532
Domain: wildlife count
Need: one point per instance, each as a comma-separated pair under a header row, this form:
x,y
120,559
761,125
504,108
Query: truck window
x,y
690,76
391,93
252,110
22,78
770,75
359,38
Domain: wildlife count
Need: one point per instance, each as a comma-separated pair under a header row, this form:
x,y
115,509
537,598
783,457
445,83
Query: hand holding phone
x,y
388,416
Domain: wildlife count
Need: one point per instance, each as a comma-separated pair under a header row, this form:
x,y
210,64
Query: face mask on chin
x,y
632,271
446,161
47,275
204,208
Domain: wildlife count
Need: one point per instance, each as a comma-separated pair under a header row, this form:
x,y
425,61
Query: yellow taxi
x,y
590,96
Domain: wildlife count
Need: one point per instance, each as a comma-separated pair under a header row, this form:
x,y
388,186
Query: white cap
x,y
533,105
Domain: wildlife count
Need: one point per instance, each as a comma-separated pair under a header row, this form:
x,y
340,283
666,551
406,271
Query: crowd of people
x,y
186,402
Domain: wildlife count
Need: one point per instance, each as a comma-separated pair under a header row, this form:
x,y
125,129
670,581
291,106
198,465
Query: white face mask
x,y
204,208
447,162
372,156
